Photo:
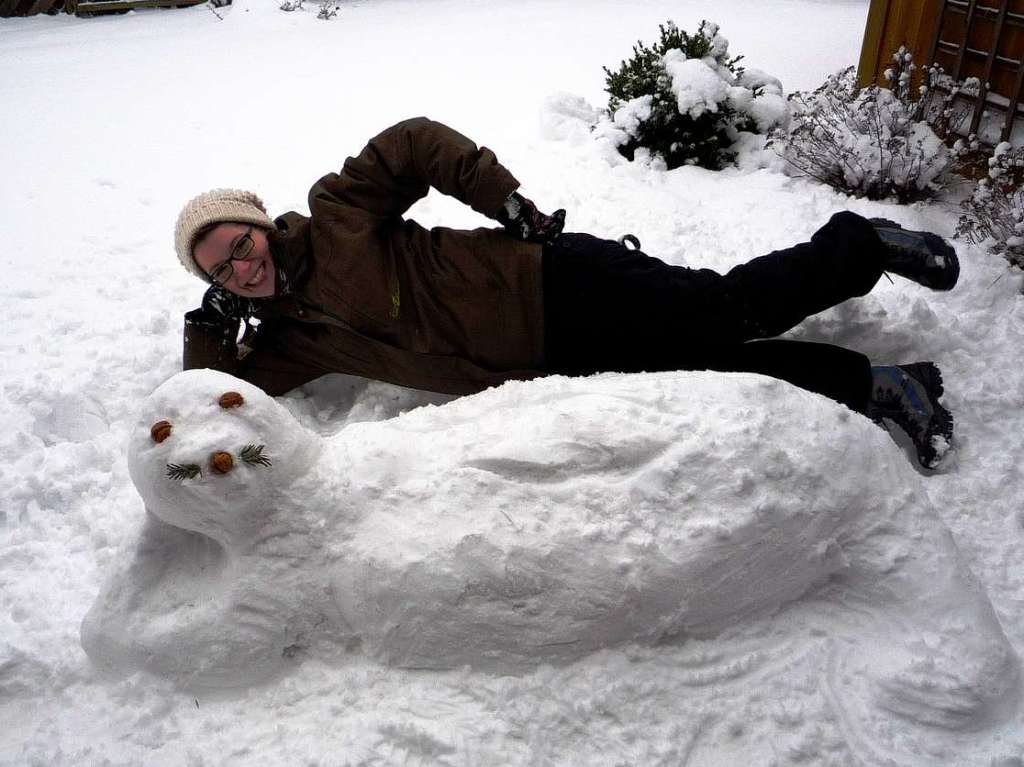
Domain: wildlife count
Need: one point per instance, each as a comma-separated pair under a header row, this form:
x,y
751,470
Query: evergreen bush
x,y
685,100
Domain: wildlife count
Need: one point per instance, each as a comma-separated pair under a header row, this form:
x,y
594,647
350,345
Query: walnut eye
x,y
160,431
230,399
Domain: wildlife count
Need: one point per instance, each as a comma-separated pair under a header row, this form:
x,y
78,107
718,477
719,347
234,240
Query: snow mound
x,y
539,522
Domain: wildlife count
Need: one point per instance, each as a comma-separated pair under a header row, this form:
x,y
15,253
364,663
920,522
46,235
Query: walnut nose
x,y
221,462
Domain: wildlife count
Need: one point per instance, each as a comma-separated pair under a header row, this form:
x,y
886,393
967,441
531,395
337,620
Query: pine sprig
x,y
183,472
253,455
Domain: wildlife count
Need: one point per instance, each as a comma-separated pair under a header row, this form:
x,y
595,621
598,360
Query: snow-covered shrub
x,y
876,142
328,10
994,214
685,101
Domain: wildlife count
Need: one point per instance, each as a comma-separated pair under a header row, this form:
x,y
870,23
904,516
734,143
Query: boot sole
x,y
928,375
941,425
948,275
952,269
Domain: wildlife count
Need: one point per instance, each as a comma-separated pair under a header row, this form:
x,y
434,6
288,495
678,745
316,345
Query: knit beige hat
x,y
214,207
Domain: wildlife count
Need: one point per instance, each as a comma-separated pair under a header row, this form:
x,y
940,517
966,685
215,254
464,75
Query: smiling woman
x,y
236,257
357,288
221,237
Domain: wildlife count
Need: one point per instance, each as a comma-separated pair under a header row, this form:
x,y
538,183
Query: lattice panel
x,y
985,39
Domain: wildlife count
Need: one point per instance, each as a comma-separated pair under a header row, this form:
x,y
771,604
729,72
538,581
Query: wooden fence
x,y
29,7
967,38
87,7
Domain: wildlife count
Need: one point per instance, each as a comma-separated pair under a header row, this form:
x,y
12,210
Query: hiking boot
x,y
908,395
923,257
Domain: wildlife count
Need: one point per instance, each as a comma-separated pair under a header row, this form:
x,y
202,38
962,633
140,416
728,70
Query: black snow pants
x,y
608,308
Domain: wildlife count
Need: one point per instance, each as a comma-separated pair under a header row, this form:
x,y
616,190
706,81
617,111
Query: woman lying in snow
x,y
356,288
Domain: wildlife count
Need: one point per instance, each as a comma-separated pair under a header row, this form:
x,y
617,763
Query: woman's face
x,y
251,272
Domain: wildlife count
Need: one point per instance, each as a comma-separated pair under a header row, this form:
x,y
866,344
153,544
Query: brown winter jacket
x,y
376,295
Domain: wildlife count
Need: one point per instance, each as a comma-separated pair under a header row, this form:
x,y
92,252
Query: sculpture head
x,y
213,454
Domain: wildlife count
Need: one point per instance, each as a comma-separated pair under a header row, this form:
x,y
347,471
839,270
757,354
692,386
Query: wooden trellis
x,y
967,38
29,7
984,39
88,7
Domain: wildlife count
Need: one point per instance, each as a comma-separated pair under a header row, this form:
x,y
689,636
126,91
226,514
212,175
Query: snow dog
x,y
536,523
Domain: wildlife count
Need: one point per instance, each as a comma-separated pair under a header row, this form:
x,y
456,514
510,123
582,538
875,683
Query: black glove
x,y
523,221
221,306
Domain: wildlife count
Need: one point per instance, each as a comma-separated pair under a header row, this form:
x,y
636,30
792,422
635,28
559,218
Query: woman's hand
x,y
523,221
220,304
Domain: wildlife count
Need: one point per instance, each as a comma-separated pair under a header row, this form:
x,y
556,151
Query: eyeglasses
x,y
240,251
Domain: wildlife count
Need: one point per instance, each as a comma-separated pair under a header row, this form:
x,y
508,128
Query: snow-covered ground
x,y
111,123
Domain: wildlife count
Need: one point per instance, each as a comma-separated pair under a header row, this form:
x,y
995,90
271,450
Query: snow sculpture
x,y
536,523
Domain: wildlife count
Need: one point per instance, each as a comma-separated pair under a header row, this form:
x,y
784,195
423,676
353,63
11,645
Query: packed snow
x,y
629,529
538,522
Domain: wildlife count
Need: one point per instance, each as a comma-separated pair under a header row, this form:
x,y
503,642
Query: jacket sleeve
x,y
213,345
399,166
209,344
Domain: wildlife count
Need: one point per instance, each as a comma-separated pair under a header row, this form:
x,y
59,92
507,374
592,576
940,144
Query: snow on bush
x,y
875,142
683,101
994,214
327,9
